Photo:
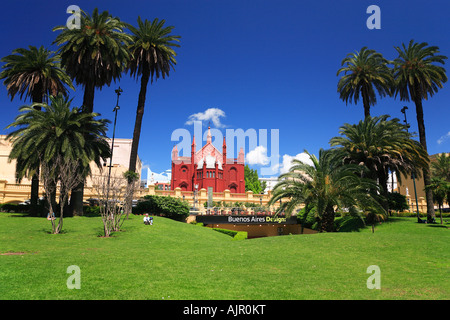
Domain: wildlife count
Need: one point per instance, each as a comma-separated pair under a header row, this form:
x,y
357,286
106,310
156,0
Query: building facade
x,y
12,191
208,168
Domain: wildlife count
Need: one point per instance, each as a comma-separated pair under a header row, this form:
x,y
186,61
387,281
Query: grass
x,y
177,261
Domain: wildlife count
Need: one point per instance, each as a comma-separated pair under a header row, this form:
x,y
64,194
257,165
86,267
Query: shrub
x,y
169,207
397,201
12,207
91,211
348,224
237,235
307,217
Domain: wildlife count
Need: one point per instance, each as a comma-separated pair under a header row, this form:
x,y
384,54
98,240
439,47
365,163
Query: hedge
x,y
168,207
237,235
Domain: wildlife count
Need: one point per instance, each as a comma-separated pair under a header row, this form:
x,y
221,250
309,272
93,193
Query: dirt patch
x,y
12,253
15,253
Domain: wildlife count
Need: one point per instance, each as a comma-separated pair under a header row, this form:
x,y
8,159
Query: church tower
x,y
208,168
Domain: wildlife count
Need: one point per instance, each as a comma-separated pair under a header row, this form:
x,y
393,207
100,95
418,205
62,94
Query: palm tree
x,y
57,131
327,185
93,56
441,167
34,73
152,57
365,73
441,190
382,146
418,76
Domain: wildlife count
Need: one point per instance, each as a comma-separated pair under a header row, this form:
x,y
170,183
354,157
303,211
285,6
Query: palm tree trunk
x,y
88,97
328,219
383,180
137,132
366,103
138,123
34,196
423,141
34,201
76,199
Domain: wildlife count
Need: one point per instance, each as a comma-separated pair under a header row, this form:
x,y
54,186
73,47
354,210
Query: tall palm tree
x,y
327,185
57,130
381,145
365,73
34,73
417,76
152,56
93,56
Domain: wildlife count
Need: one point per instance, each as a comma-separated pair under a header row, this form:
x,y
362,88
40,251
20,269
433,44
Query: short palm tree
x,y
418,75
441,190
95,54
152,56
34,73
57,130
327,185
441,167
365,73
381,145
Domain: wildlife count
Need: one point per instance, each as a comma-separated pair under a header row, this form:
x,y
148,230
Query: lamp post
x,y
412,175
116,108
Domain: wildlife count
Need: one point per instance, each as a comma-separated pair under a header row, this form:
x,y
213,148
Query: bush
x,y
17,208
168,207
91,211
397,201
307,217
348,224
237,235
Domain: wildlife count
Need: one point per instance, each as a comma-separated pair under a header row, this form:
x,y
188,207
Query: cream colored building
x,y
406,188
13,192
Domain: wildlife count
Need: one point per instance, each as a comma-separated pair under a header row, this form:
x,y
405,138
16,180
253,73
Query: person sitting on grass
x,y
146,219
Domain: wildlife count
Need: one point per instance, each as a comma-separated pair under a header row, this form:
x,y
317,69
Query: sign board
x,y
233,219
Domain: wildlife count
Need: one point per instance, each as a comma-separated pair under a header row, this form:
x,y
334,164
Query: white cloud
x,y
145,166
257,156
153,177
287,161
444,137
211,114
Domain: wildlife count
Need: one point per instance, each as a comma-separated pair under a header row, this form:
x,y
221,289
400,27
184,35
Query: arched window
x,y
184,173
233,174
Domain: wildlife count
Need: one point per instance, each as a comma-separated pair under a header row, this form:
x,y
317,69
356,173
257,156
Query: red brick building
x,y
208,167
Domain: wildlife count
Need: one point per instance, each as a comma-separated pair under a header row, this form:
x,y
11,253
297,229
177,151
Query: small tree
x,y
440,189
252,182
59,175
397,201
112,191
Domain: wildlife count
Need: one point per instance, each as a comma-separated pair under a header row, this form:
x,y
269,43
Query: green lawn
x,y
177,261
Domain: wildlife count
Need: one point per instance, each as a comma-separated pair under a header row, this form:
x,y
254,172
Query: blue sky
x,y
262,64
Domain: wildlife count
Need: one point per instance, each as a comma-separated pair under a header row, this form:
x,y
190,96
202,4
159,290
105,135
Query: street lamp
x,y
116,108
412,175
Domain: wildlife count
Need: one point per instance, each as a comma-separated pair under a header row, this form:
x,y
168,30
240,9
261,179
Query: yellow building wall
x,y
406,188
